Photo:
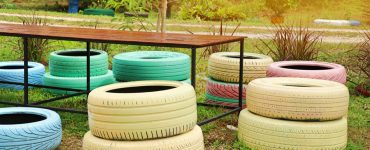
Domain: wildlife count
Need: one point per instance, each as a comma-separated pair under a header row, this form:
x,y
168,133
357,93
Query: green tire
x,y
72,63
103,12
77,82
151,65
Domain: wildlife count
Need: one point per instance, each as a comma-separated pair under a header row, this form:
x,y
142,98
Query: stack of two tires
x,y
143,115
68,70
223,68
294,113
151,65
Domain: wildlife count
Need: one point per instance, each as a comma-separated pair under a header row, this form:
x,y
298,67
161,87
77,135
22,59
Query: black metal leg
x,y
241,66
25,63
88,67
193,67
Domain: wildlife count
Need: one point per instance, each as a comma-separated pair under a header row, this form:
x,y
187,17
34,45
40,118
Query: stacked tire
x,y
151,65
143,115
68,70
13,71
294,113
223,69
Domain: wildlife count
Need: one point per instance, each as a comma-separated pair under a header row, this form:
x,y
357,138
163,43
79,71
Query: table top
x,y
115,36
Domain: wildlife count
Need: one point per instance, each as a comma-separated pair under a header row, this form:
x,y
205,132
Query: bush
x,y
289,43
214,10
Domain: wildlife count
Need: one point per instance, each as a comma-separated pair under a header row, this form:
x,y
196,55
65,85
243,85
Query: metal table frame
x,y
26,102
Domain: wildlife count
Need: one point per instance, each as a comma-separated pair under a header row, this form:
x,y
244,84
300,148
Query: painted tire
x,y
104,12
259,132
29,128
142,110
224,66
192,140
223,89
12,71
72,63
297,98
308,69
151,65
77,82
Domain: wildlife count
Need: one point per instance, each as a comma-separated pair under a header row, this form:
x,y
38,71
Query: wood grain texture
x,y
116,36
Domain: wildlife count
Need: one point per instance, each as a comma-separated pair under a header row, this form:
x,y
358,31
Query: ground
x,y
216,135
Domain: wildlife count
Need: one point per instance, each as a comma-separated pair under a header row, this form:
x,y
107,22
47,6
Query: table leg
x,y
193,67
241,66
25,74
88,67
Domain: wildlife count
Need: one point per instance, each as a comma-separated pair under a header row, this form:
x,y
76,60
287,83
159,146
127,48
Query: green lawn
x,y
216,135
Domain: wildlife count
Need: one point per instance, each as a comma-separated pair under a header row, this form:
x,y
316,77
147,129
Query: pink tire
x,y
308,69
223,89
212,102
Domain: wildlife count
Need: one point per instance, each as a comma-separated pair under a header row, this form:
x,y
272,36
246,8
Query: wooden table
x,y
115,37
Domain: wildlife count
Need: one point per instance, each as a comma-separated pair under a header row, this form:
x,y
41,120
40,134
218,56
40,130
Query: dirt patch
x,y
71,143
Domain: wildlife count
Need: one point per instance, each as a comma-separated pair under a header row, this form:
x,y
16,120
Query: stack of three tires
x,y
143,115
223,69
68,70
292,111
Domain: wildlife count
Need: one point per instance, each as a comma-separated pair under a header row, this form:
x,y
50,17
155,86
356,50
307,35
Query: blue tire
x,y
151,65
29,128
13,71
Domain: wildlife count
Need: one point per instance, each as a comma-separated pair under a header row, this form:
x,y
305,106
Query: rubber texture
x,y
104,12
151,65
75,66
297,98
192,140
17,75
45,134
224,66
224,89
334,72
77,82
142,115
263,133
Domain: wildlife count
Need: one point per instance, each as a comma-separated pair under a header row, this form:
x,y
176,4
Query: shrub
x,y
218,30
36,46
289,43
215,10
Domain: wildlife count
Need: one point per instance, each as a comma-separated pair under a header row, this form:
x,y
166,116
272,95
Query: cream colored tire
x,y
263,133
192,140
142,110
297,98
224,66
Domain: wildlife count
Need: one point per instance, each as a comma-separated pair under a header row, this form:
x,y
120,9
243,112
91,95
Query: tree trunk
x,y
163,16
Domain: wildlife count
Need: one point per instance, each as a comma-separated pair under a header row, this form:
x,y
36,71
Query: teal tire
x,y
72,63
101,12
77,82
151,65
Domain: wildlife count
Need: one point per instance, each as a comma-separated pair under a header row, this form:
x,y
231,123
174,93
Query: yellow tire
x,y
263,133
224,66
142,110
192,140
297,98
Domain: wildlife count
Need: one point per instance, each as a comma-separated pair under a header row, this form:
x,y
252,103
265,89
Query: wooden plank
x,y
115,36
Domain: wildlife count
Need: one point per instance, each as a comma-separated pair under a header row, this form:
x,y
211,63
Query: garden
x,y
326,40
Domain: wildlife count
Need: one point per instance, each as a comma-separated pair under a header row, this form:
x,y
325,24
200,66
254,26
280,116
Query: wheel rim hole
x,y
78,53
152,57
245,57
14,67
306,67
141,89
21,118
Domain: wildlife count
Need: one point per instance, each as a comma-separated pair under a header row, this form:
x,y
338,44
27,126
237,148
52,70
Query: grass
x,y
216,135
